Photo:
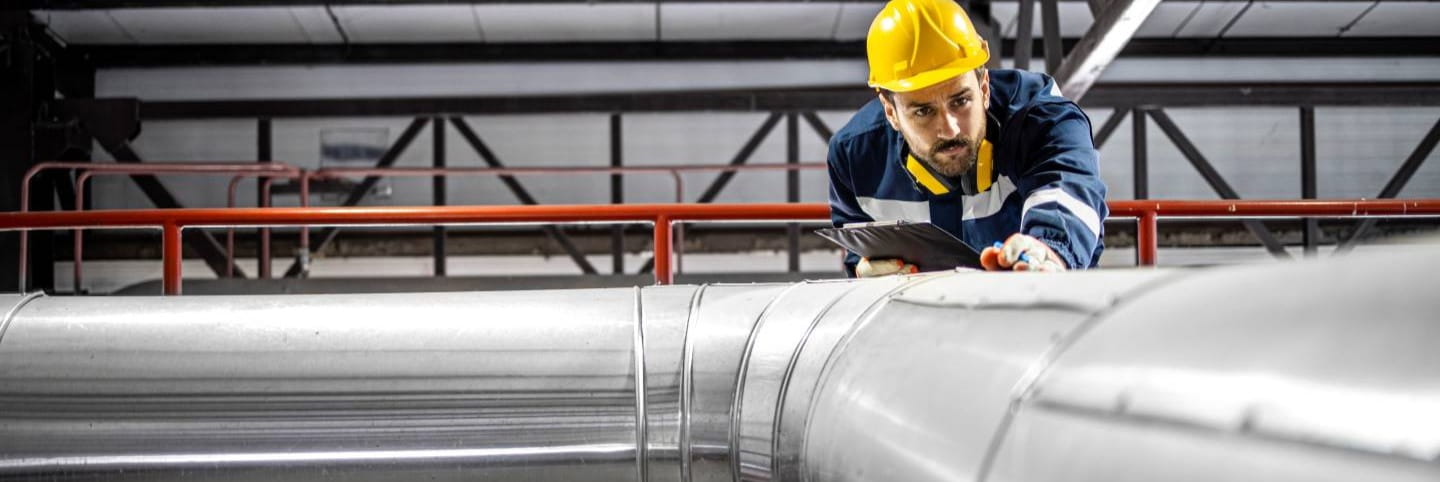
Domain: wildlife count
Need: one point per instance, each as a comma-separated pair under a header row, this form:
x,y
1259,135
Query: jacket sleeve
x,y
1064,197
844,208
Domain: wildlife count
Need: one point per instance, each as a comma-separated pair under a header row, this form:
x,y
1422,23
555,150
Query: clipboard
x,y
922,244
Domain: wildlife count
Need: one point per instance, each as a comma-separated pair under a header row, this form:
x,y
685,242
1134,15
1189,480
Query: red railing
x,y
171,221
85,170
1148,212
269,170
661,215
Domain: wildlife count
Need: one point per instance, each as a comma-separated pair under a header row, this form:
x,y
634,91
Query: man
x,y
997,158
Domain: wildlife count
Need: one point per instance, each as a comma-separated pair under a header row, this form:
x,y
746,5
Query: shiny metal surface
x,y
1102,375
720,329
1305,371
917,391
474,386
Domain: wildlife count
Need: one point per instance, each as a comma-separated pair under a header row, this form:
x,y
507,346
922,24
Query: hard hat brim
x,y
932,77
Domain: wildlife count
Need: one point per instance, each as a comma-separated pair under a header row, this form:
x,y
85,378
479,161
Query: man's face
x,y
943,123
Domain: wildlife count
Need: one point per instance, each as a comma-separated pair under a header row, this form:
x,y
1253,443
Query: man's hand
x,y
882,267
1021,253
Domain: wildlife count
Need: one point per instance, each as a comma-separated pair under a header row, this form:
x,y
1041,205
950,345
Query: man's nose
x,y
950,126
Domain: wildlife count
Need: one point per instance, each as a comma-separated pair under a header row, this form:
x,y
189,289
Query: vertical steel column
x,y
1142,168
1050,23
1307,176
263,131
792,186
663,275
617,196
171,258
438,191
1024,40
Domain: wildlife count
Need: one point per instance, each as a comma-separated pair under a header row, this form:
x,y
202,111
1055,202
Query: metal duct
x,y
1301,371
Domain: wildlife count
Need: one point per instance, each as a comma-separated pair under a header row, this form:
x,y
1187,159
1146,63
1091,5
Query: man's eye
x,y
922,112
962,102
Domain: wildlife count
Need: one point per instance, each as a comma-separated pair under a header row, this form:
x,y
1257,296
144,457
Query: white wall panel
x,y
1362,147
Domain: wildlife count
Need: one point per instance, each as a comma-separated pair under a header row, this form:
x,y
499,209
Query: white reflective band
x,y
1055,90
893,210
1079,209
988,203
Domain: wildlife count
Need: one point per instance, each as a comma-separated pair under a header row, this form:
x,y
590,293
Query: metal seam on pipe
x,y
999,305
790,371
14,310
687,382
1025,387
864,319
642,458
741,378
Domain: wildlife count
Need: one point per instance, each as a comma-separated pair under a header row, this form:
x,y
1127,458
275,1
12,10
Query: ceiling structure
x,y
179,32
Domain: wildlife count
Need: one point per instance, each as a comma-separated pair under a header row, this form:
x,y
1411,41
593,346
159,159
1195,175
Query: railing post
x,y
171,259
663,275
1146,238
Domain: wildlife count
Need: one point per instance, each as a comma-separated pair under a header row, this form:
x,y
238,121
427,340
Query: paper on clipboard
x,y
922,244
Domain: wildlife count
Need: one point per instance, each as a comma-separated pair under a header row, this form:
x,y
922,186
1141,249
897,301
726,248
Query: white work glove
x,y
883,267
1021,253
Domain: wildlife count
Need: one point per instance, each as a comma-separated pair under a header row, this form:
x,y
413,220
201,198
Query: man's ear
x,y
984,86
890,114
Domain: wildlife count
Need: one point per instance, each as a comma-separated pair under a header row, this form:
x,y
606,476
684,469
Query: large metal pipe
x,y
1300,371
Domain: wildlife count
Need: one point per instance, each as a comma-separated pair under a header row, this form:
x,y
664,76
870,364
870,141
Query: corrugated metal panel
x,y
85,26
241,25
566,23
416,23
1296,19
1391,19
855,18
717,21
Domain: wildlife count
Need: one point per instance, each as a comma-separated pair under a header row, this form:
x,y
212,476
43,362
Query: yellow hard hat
x,y
914,44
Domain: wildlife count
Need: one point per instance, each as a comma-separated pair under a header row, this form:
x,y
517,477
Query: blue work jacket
x,y
1044,179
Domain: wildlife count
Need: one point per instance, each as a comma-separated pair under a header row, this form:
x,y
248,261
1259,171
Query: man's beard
x,y
951,167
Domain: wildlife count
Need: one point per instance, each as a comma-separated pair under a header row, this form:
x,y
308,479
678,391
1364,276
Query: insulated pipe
x,y
1298,371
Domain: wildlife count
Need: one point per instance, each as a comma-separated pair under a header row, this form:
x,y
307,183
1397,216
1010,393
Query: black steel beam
x,y
159,55
521,193
264,130
1024,37
819,126
361,190
1108,128
1216,181
1311,233
1397,182
1400,94
792,186
437,191
1141,155
617,194
1050,28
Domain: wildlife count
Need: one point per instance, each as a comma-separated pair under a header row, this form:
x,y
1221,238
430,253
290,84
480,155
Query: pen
x,y
1024,256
